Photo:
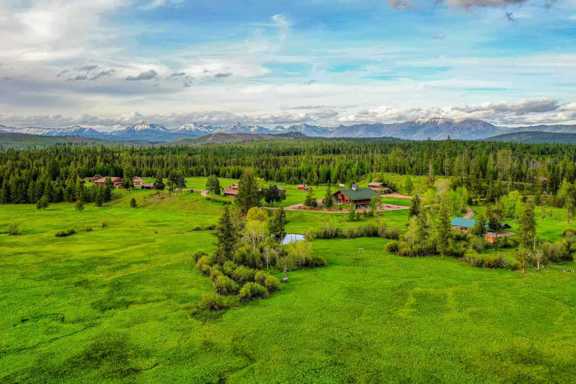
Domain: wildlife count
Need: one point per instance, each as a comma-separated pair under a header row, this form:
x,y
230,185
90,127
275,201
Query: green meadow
x,y
114,304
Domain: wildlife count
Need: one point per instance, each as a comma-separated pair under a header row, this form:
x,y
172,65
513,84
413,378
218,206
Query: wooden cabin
x,y
379,187
492,237
137,181
359,197
231,190
117,181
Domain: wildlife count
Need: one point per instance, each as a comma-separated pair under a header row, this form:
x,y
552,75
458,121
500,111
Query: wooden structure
x,y
359,197
492,237
232,190
379,187
117,181
303,187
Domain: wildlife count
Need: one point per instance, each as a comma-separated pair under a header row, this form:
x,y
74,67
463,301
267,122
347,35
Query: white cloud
x,y
283,25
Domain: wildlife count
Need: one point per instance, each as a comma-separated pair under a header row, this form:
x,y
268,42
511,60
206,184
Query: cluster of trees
x,y
43,191
249,248
488,170
430,233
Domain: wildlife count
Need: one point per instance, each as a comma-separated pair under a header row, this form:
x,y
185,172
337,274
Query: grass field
x,y
113,303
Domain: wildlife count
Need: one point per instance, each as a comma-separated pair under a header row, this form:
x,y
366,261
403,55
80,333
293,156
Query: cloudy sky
x,y
110,62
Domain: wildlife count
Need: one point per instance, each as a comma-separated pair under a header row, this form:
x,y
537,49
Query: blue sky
x,y
112,62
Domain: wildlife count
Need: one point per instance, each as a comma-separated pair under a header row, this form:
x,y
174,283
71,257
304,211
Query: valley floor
x,y
112,304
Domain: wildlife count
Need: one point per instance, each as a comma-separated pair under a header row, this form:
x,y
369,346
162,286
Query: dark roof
x,y
358,194
463,222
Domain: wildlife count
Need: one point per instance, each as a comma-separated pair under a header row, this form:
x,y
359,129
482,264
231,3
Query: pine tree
x,y
443,229
328,200
133,203
277,225
415,207
42,203
310,199
99,198
409,185
227,237
79,205
213,185
248,191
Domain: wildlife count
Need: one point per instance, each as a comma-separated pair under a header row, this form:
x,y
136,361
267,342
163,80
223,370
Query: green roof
x,y
358,194
463,222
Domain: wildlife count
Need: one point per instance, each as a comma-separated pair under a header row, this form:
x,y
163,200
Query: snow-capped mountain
x,y
434,129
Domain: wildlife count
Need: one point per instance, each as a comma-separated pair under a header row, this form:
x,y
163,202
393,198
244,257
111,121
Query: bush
x,y
392,247
252,291
14,230
478,243
370,230
197,255
243,274
229,267
225,285
557,252
213,302
204,264
66,233
104,224
476,260
270,282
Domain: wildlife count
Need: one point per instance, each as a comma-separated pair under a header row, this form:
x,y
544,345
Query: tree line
x,y
487,170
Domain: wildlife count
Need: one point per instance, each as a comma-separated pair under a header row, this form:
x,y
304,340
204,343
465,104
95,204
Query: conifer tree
x,y
415,207
133,203
328,200
227,237
248,191
277,226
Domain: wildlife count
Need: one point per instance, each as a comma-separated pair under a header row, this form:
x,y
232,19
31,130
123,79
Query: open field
x,y
113,304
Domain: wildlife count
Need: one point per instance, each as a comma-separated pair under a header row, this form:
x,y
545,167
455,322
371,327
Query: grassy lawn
x,y
113,305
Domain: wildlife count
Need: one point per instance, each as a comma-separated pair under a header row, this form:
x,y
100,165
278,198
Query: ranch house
x,y
359,197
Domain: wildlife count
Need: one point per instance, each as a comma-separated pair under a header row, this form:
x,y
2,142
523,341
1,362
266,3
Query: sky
x,y
107,63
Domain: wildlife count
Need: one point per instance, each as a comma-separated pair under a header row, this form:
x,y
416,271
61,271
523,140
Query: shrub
x,y
66,233
14,230
229,267
213,302
225,285
243,274
204,264
559,251
197,255
392,247
370,230
270,282
104,224
252,291
492,261
477,243
570,232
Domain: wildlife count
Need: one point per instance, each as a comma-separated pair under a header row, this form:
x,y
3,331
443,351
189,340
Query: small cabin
x,y
379,187
137,181
117,182
463,224
232,190
359,197
492,237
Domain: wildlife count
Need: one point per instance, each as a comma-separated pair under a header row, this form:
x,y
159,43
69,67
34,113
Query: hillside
x,y
11,139
534,137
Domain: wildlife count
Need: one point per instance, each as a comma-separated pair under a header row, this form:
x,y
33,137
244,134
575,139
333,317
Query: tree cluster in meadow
x,y
249,251
430,232
487,170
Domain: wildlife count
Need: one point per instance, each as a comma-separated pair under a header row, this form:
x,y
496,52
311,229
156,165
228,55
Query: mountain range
x,y
430,129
